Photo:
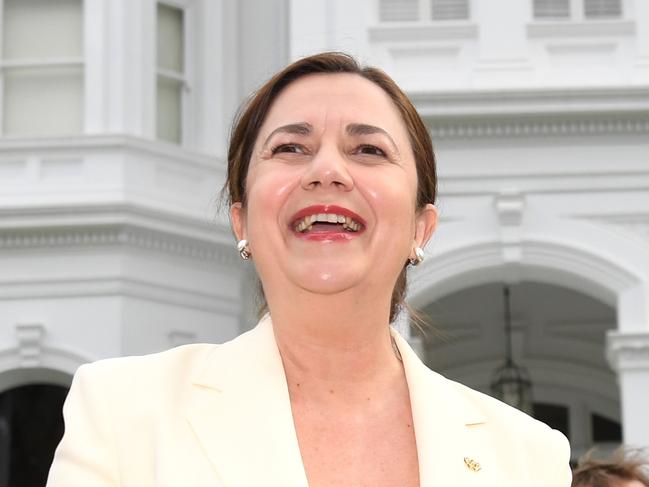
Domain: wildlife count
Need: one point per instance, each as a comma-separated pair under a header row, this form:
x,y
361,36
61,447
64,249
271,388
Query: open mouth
x,y
326,220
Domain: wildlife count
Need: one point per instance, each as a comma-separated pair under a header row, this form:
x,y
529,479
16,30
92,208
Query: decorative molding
x,y
112,235
14,145
510,206
212,302
30,336
503,64
418,32
589,28
628,351
628,104
446,129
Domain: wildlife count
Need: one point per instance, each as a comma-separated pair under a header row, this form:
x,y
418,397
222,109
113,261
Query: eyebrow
x,y
301,128
365,129
353,129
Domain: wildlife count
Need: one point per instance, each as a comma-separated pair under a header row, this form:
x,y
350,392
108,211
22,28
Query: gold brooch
x,y
471,464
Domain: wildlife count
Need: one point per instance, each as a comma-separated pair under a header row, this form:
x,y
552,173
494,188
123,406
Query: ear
x,y
238,220
425,224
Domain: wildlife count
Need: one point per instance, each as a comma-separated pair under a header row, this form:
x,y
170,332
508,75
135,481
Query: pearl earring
x,y
419,257
244,249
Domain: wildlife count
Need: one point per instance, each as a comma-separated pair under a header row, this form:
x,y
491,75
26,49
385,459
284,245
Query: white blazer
x,y
220,416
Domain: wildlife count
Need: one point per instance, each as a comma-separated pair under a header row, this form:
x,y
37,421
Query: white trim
x,y
616,100
173,75
58,365
42,62
123,287
628,351
30,145
585,28
2,78
129,235
90,225
565,252
418,32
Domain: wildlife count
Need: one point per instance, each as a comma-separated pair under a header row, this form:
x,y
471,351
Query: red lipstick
x,y
323,233
317,209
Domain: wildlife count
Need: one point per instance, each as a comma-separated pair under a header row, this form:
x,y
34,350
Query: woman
x,y
331,181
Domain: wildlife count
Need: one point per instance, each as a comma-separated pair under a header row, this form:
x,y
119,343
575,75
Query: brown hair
x,y
251,116
623,465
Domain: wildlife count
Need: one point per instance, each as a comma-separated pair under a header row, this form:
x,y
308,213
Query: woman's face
x,y
331,189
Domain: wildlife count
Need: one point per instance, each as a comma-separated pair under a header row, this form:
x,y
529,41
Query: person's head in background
x,y
623,469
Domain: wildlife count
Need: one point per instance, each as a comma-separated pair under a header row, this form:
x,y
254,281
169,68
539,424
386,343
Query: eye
x,y
370,150
288,148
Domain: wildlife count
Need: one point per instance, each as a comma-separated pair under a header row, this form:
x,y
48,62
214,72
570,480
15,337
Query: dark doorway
x,y
31,426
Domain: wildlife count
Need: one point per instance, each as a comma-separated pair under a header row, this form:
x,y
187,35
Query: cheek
x,y
393,197
267,191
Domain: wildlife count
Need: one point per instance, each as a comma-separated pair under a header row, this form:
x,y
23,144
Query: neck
x,y
333,341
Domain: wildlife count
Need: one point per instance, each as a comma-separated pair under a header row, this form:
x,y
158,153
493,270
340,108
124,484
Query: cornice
x,y
628,351
418,32
85,215
165,293
13,145
117,235
567,100
574,126
535,112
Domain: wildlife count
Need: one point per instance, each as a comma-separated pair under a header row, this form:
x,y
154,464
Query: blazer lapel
x,y
445,423
240,411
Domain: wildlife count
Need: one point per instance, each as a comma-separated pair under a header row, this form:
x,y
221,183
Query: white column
x,y
628,354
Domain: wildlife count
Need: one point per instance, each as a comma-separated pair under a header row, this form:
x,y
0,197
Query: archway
x,y
558,334
31,426
588,258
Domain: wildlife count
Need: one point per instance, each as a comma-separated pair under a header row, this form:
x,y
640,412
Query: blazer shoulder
x,y
138,380
540,442
183,357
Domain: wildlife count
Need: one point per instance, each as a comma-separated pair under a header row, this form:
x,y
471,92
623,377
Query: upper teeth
x,y
305,223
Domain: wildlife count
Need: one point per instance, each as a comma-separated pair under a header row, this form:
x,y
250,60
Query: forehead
x,y
340,97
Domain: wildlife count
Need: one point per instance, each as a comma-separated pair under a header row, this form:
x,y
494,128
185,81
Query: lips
x,y
327,222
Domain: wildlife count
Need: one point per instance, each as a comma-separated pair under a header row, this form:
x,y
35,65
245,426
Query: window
x,y
41,67
554,415
551,9
171,82
602,9
605,430
577,9
399,10
414,10
450,9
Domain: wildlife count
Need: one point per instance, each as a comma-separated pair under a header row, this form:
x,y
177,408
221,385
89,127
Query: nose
x,y
327,169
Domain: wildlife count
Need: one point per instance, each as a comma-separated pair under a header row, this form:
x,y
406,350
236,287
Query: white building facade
x,y
114,123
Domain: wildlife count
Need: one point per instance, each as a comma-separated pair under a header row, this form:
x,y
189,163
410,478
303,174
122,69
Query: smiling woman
x,y
388,145
331,187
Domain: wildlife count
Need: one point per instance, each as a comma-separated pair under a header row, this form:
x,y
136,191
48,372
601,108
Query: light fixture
x,y
510,382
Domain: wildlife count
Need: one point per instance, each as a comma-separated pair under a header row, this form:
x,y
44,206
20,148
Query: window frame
x,y
185,79
53,62
424,15
577,13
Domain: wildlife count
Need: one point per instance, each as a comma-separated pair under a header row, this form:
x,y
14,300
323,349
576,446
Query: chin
x,y
320,280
